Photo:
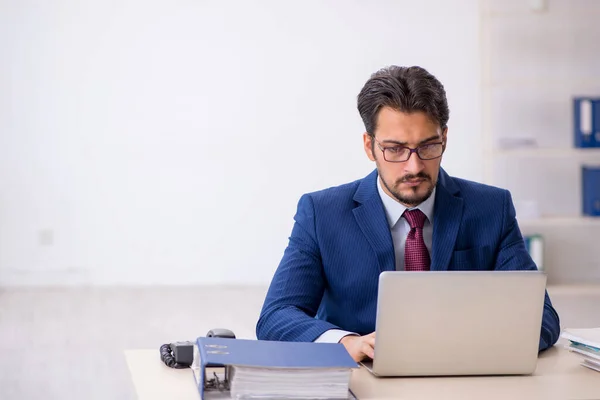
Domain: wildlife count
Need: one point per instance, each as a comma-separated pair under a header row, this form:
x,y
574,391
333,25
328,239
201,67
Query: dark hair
x,y
406,89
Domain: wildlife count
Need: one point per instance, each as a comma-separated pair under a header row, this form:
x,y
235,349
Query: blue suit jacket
x,y
341,242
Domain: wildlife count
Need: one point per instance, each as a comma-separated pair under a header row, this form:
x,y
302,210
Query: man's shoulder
x,y
345,196
467,186
471,191
343,191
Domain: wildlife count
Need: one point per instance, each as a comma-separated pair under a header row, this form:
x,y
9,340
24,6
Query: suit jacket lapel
x,y
370,216
446,221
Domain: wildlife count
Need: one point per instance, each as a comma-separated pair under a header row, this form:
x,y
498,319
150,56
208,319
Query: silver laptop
x,y
458,323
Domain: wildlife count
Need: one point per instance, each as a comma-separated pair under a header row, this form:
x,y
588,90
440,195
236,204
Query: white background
x,y
147,142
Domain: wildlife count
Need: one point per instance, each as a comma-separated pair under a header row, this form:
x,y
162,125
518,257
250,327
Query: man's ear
x,y
368,145
445,139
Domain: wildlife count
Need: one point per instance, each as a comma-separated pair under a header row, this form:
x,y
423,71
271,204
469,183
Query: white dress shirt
x,y
399,229
399,226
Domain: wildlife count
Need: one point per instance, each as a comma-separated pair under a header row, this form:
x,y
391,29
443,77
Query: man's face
x,y
410,182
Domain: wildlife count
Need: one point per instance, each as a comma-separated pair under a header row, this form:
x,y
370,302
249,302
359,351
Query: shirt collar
x,y
394,209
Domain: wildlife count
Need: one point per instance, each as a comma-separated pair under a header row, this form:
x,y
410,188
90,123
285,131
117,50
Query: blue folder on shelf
x,y
282,360
535,247
591,190
586,121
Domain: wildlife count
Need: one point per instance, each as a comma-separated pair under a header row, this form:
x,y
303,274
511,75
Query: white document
x,y
589,337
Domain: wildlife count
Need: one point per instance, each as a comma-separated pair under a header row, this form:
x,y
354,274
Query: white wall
x,y
169,141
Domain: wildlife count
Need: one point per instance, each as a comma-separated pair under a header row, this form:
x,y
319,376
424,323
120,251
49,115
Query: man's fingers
x,y
358,357
360,347
367,349
370,340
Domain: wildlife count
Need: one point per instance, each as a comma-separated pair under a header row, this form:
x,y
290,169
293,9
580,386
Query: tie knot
x,y
415,218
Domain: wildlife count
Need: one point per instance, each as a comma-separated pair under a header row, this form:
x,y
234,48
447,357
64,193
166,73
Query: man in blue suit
x,y
408,214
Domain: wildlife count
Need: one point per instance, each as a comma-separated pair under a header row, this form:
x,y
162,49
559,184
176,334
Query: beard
x,y
412,196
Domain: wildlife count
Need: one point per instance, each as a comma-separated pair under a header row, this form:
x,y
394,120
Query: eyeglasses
x,y
425,152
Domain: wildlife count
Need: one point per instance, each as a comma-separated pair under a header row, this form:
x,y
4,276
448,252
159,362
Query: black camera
x,y
181,354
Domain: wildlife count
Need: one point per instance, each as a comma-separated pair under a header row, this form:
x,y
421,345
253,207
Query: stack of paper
x,y
585,342
289,383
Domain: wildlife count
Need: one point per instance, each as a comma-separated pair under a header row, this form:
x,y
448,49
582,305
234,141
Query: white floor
x,y
68,343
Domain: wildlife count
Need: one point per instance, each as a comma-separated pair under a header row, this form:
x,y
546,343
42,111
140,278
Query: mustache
x,y
409,177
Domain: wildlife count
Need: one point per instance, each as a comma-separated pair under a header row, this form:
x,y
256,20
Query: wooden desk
x,y
558,376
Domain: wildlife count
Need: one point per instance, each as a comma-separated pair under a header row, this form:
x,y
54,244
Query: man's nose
x,y
414,164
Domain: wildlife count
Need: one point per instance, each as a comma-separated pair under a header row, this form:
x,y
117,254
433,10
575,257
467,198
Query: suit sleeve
x,y
513,255
297,287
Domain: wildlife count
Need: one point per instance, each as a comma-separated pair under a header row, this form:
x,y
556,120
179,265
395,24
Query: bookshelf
x,y
533,62
582,221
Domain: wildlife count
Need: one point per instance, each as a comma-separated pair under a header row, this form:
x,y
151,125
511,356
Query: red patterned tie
x,y
416,256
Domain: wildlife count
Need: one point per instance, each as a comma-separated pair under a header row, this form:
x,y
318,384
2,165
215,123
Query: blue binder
x,y
223,352
591,190
586,121
535,247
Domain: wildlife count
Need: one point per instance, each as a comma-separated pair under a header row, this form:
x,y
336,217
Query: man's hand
x,y
360,347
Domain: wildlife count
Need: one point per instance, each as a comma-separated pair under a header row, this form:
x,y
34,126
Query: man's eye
x,y
395,150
